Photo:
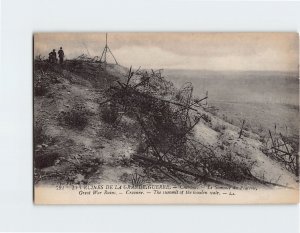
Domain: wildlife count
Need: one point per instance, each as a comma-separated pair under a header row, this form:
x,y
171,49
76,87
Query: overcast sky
x,y
209,51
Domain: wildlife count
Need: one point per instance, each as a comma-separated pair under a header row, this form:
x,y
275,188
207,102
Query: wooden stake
x,y
241,131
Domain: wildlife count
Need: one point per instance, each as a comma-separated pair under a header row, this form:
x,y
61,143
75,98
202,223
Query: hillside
x,y
108,124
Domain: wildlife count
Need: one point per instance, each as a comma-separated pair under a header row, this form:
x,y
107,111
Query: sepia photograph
x,y
149,116
165,118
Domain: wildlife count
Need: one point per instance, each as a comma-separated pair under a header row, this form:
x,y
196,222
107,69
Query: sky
x,y
194,51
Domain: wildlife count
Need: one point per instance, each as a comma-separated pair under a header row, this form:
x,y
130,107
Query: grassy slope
x,y
86,85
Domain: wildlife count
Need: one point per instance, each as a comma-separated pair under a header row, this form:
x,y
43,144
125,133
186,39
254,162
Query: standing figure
x,y
54,58
50,57
61,55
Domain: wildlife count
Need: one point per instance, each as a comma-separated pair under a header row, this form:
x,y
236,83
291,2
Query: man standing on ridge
x,y
61,55
54,58
50,57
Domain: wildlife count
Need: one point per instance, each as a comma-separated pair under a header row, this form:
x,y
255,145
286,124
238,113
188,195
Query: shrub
x,y
107,132
206,118
125,161
230,167
141,148
136,180
40,88
39,134
109,114
43,159
77,117
219,128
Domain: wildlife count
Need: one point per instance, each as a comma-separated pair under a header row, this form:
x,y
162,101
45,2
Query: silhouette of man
x,y
61,55
50,57
54,58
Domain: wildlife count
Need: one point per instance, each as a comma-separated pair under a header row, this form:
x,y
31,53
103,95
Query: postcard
x,y
166,118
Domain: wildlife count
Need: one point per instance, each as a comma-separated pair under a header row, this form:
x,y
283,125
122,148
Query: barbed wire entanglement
x,y
167,118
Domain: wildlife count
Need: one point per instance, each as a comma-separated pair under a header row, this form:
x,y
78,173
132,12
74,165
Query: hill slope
x,y
77,140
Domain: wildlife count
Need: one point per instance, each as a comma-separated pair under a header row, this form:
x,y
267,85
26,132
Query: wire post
x,y
106,40
105,50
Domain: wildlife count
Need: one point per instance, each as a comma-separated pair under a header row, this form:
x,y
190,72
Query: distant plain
x,y
262,98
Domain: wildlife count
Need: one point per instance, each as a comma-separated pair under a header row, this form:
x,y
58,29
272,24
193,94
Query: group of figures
x,y
53,56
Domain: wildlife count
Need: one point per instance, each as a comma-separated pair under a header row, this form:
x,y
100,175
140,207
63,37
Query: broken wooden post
x,y
273,143
241,131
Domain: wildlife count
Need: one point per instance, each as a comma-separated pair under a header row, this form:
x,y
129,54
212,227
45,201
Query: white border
x,y
19,19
